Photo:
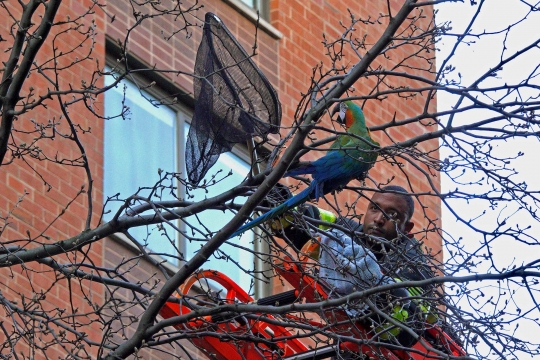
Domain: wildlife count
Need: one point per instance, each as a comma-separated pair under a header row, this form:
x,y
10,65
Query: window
x,y
261,5
153,138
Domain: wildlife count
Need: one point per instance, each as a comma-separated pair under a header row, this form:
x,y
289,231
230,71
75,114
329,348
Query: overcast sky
x,y
470,62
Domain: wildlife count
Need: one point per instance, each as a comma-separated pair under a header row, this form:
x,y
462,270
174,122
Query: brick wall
x,y
286,61
42,199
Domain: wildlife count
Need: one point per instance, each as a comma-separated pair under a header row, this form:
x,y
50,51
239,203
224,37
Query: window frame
x,y
250,13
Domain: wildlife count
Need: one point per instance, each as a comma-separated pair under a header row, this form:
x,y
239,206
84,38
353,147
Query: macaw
x,y
349,157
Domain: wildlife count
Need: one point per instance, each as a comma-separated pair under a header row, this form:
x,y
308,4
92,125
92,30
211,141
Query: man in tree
x,y
385,231
378,252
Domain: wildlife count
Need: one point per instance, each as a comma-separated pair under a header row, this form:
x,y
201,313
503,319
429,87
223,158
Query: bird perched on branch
x,y
349,157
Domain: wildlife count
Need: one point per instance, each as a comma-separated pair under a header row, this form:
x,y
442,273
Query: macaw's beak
x,y
341,115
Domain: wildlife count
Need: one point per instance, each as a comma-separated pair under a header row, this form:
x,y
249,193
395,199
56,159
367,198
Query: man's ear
x,y
408,227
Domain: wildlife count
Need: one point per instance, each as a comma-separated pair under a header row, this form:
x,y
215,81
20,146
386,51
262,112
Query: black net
x,y
233,100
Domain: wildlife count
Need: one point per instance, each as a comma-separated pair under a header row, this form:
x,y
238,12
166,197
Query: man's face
x,y
386,215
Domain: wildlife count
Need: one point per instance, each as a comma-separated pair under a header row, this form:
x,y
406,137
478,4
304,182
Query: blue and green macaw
x,y
349,157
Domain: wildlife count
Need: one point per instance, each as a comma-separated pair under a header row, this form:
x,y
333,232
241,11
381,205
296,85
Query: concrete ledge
x,y
251,15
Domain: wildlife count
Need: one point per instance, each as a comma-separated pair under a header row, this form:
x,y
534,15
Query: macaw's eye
x,y
343,107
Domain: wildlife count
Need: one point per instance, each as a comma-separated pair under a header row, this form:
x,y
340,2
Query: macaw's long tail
x,y
293,202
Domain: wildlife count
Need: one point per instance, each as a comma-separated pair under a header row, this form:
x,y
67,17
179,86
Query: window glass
x,y
261,6
135,149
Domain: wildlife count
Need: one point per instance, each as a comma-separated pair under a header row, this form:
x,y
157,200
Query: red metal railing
x,y
237,330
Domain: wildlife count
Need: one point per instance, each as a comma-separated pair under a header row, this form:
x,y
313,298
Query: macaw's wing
x,y
319,168
344,141
302,169
338,168
349,142
338,143
341,164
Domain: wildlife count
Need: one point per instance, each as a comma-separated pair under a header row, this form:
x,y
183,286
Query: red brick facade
x,y
287,62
